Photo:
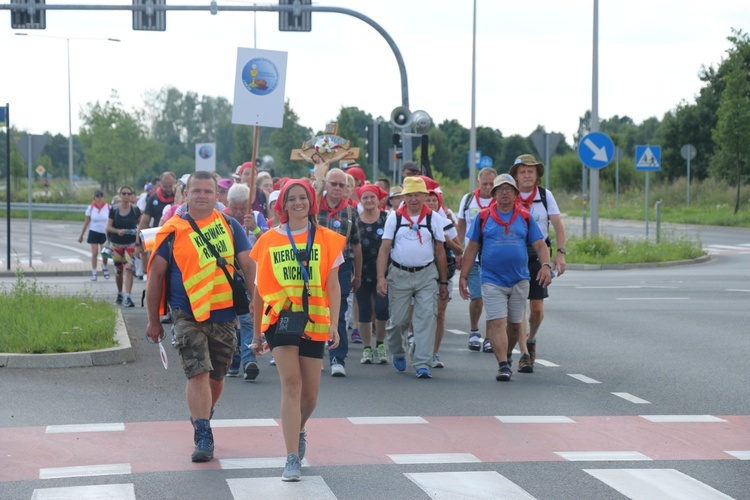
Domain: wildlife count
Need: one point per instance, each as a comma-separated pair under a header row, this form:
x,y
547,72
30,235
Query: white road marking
x,y
477,485
602,456
623,287
458,332
532,419
583,378
386,420
244,422
664,484
434,458
54,429
681,418
94,492
84,471
544,362
87,253
652,298
740,454
70,260
254,463
273,487
737,290
633,399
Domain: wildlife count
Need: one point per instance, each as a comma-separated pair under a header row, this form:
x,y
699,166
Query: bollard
x,y
658,221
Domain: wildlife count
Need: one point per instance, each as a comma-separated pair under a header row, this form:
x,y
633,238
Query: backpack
x,y
450,257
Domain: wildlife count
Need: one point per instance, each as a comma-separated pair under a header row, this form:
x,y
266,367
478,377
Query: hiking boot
x,y
436,363
118,300
381,354
292,470
251,370
356,337
531,346
504,373
128,302
302,447
486,347
475,344
525,365
399,363
204,441
366,356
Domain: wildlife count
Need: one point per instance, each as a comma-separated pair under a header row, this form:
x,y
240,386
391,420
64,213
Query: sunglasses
x,y
337,184
126,194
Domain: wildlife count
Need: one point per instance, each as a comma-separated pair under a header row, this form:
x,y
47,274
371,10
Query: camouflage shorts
x,y
204,346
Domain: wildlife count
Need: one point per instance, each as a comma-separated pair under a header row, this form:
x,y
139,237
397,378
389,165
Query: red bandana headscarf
x,y
280,203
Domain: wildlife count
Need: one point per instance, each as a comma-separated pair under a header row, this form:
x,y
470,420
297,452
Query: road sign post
x,y
595,150
647,159
688,152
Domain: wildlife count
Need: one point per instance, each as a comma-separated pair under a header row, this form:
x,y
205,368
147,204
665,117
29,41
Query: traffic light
x,y
29,18
370,142
150,19
397,140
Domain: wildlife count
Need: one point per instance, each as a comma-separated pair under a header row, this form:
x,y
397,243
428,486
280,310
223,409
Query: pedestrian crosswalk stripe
x,y
84,471
633,399
244,422
386,420
740,454
545,419
254,463
477,485
53,429
94,492
664,484
434,458
598,456
272,487
682,418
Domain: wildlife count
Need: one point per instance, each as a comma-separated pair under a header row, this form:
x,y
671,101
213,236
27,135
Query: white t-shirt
x,y
406,249
470,213
99,218
539,214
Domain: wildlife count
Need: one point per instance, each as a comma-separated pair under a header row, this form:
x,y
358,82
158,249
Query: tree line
x,y
115,146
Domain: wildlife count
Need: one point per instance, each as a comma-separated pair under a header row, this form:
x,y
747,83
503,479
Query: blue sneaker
x,y
424,373
204,441
292,470
302,447
399,363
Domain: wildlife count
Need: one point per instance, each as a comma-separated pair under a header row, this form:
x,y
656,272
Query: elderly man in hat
x,y
413,239
542,206
501,233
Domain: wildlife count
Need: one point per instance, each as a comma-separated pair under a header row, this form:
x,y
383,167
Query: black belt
x,y
409,269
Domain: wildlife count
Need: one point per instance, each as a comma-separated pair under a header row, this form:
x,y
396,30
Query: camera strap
x,y
303,259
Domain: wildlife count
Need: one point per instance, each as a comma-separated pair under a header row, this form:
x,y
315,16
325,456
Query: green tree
x,y
283,140
732,132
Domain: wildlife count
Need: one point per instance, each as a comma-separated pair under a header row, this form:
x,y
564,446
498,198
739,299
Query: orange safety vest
x,y
206,285
280,282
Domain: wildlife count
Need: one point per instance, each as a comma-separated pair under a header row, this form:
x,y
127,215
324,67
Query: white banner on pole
x,y
205,157
259,85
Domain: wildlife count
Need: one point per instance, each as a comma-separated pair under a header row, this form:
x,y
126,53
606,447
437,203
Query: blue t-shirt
x,y
505,260
178,298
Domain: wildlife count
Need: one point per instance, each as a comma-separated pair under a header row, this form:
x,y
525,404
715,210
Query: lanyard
x,y
303,264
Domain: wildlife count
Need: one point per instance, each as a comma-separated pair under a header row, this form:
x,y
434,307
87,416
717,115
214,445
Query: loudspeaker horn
x,y
421,121
401,117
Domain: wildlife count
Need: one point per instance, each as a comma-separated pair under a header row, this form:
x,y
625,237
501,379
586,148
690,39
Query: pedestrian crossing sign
x,y
3,114
648,158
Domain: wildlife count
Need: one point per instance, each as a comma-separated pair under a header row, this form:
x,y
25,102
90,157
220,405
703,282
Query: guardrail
x,y
49,207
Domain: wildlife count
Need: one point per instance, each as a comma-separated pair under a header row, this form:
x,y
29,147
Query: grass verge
x,y
36,322
605,249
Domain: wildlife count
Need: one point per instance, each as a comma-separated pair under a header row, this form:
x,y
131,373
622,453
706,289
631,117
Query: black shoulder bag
x,y
239,294
290,322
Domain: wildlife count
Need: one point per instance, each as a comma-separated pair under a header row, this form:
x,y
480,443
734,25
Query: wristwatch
x,y
561,250
547,264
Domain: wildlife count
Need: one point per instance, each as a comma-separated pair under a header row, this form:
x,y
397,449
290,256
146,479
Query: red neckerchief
x,y
403,213
527,202
163,197
496,215
332,212
98,207
479,203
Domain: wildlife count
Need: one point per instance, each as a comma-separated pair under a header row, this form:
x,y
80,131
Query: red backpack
x,y
484,215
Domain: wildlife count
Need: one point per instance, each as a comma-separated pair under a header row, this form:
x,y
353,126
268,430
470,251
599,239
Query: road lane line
x,y
602,456
66,247
55,429
544,362
665,484
660,419
479,485
583,378
434,458
458,332
534,419
386,420
273,487
633,399
94,492
652,298
737,290
84,471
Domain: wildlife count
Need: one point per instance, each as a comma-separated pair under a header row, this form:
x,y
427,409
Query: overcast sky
x,y
534,59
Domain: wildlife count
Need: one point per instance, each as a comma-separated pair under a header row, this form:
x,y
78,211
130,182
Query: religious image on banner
x,y
205,157
259,87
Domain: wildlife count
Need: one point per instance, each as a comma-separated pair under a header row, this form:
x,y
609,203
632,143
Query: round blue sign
x,y
485,162
596,150
260,76
205,152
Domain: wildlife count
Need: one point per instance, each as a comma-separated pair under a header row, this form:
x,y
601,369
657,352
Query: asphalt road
x,y
670,342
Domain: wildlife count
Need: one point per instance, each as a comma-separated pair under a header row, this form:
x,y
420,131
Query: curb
x,y
122,353
643,265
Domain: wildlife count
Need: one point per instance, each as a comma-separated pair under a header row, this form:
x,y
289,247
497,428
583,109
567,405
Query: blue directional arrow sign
x,y
596,150
648,158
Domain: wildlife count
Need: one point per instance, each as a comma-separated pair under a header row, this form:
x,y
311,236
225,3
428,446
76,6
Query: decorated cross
x,y
322,150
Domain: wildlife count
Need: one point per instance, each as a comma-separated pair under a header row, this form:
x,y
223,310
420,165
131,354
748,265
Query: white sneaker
x,y
93,275
337,369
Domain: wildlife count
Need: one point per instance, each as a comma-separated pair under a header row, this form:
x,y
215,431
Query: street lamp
x,y
70,110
